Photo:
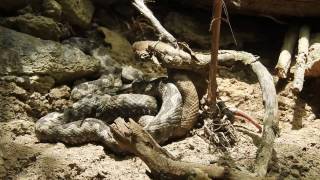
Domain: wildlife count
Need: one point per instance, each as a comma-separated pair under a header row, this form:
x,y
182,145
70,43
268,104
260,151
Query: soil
x,y
296,155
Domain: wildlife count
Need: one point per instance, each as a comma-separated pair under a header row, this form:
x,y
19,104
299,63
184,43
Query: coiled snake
x,y
87,120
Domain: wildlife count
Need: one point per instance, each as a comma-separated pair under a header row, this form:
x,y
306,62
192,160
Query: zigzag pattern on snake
x,y
177,115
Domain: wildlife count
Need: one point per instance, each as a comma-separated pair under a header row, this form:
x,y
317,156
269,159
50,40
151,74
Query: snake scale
x,y
88,119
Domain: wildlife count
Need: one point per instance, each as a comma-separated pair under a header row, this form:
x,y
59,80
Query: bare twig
x,y
163,33
177,58
284,61
303,51
140,142
215,28
270,119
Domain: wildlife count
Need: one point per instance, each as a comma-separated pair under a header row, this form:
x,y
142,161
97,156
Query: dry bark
x,y
298,8
163,33
285,56
303,51
133,137
213,66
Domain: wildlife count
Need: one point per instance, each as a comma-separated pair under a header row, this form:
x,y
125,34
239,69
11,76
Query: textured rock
x,y
11,107
121,49
40,84
313,64
77,12
130,74
121,52
52,8
21,54
39,26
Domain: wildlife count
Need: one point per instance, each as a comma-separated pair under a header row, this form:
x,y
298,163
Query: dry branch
x,y
270,120
163,33
134,137
178,59
213,66
303,51
284,60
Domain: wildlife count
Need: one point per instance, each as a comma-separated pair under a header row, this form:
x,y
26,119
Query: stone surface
x,y
60,92
121,49
39,26
52,8
21,54
11,105
130,74
122,52
313,64
77,12
40,84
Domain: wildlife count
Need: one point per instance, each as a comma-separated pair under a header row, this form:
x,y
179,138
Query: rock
x,y
84,44
39,104
39,26
108,64
313,63
11,106
40,84
130,74
22,54
61,104
12,5
106,84
59,98
60,92
52,8
121,49
189,29
77,12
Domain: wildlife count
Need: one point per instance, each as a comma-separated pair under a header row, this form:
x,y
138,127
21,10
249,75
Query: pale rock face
x,y
22,54
77,12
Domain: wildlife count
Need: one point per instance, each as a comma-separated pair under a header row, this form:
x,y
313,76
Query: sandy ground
x,y
22,156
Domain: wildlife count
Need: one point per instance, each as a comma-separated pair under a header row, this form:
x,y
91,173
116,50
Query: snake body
x,y
108,107
87,120
54,128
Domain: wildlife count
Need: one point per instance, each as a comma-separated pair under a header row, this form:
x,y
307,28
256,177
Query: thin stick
x,y
163,33
303,51
215,28
285,57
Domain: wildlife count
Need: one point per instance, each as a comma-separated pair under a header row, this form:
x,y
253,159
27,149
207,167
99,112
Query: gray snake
x,y
87,120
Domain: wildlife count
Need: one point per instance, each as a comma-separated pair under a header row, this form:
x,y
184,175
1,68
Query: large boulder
x,y
22,54
39,26
77,12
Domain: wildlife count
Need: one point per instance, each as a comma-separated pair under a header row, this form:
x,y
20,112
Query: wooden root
x,y
303,51
162,165
284,60
163,33
174,58
171,56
